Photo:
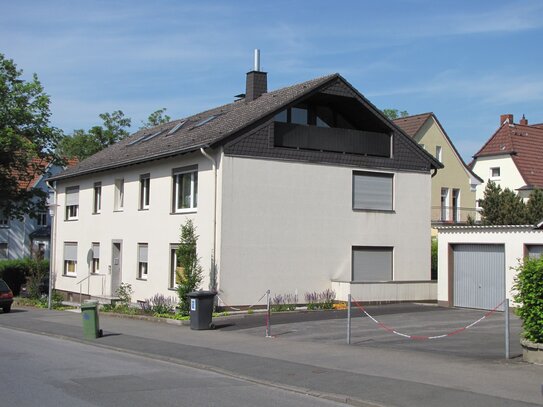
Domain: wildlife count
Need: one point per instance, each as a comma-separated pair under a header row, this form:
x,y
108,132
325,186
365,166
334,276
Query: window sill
x,y
97,213
172,289
375,210
143,209
70,275
141,279
184,212
118,210
71,220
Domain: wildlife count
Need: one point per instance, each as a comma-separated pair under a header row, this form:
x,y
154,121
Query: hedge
x,y
15,272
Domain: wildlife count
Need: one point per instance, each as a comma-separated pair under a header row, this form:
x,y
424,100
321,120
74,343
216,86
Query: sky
x,y
466,61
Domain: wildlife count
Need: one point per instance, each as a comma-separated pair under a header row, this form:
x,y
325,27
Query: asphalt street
x,y
311,357
43,371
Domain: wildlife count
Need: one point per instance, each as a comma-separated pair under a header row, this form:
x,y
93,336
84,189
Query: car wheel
x,y
7,309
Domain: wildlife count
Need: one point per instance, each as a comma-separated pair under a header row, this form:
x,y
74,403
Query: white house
x,y
512,157
301,189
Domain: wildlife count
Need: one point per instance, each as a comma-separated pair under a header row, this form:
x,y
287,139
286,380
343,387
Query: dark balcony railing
x,y
454,215
332,139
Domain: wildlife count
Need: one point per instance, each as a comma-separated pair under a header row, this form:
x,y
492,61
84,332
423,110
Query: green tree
x,y
27,141
502,207
83,144
534,207
189,271
156,118
393,114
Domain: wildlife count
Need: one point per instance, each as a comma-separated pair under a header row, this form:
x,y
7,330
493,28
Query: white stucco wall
x,y
514,238
157,226
509,175
290,227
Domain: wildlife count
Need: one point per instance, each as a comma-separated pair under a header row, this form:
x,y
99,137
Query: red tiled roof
x,y
35,170
412,124
525,145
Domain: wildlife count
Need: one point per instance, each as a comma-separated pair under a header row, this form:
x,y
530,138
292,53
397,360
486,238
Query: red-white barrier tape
x,y
424,338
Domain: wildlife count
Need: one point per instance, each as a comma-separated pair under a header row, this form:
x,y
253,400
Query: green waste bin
x,y
201,309
91,325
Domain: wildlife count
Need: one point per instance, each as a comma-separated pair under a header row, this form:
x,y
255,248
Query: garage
x,y
479,275
477,264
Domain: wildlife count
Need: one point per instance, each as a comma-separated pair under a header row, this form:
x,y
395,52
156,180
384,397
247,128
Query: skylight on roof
x,y
206,120
176,127
136,141
147,138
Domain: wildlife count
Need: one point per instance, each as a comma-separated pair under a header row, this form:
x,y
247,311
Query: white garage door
x,y
479,275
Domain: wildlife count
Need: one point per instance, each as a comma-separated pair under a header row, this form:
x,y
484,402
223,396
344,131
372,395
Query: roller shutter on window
x,y
96,250
372,264
142,253
70,251
534,250
372,191
72,196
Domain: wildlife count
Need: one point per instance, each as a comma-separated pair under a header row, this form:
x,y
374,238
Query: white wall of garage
x,y
516,240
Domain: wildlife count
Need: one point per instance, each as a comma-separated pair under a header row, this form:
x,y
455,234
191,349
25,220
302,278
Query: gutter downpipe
x,y
213,268
52,243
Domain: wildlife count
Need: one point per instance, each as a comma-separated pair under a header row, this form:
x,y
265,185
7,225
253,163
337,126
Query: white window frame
x,y
119,195
95,266
4,222
178,174
145,191
495,177
172,283
377,175
439,154
41,219
143,266
97,198
445,209
72,211
68,262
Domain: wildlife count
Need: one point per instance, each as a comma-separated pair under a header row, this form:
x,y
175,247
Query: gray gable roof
x,y
204,129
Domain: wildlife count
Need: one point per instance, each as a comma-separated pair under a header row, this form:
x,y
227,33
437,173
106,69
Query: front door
x,y
116,277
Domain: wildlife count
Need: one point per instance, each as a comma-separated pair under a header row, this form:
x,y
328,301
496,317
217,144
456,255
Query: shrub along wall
x,y
15,272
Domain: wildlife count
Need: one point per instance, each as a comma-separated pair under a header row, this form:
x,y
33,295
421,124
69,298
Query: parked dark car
x,y
6,296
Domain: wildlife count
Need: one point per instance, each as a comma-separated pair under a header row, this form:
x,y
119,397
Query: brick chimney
x,y
524,121
504,117
257,81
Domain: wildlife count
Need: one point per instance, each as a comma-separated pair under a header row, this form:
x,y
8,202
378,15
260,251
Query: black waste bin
x,y
201,309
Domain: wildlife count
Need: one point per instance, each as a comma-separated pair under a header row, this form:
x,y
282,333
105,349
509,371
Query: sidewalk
x,y
359,375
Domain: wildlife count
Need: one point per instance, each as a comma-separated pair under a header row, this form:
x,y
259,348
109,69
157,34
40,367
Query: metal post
x,y
506,328
268,312
349,319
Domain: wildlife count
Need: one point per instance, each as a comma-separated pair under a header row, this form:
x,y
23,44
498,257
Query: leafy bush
x,y
529,296
15,272
124,292
158,304
323,300
286,302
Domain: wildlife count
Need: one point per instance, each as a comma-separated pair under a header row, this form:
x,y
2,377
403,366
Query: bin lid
x,y
201,294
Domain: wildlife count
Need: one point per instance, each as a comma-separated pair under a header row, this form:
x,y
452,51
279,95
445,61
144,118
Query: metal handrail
x,y
87,278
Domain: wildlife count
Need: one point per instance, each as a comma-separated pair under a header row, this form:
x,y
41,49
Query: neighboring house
x,y
512,157
301,189
453,188
477,264
30,236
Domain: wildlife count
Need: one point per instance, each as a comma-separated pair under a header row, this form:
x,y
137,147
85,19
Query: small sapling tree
x,y
189,271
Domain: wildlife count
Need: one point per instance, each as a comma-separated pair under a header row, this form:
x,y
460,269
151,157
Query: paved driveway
x,y
485,340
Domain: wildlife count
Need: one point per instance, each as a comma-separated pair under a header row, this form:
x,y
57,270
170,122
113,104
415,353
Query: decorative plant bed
x,y
532,352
